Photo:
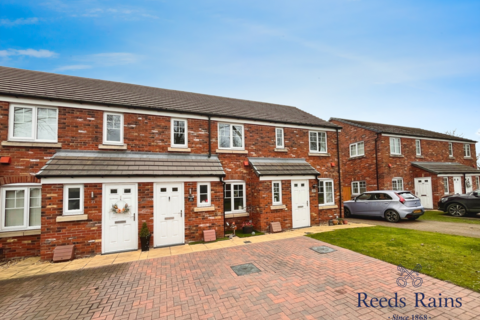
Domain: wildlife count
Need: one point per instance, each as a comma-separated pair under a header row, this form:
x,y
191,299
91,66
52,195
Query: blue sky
x,y
413,63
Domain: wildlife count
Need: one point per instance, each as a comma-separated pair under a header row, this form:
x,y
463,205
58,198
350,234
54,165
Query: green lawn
x,y
444,217
446,257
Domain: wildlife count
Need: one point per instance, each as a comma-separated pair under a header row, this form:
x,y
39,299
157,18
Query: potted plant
x,y
247,227
145,237
335,222
345,221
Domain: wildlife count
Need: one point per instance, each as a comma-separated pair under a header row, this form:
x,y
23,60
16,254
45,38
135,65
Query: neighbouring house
x,y
378,156
85,162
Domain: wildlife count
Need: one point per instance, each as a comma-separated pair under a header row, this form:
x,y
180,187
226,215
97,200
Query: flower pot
x,y
145,241
345,222
247,229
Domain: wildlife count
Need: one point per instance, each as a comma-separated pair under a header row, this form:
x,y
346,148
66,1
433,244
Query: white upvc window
x,y
231,136
478,183
179,135
395,146
359,187
235,197
112,128
279,143
276,192
21,207
204,198
357,149
450,149
397,184
73,197
318,141
325,192
466,150
446,187
418,147
31,123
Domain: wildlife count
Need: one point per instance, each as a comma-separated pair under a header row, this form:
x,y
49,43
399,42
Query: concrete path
x,y
458,229
293,282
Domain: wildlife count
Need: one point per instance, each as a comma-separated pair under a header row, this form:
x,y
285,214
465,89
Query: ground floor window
x,y
359,187
325,192
397,184
22,208
277,192
203,191
446,189
73,199
235,200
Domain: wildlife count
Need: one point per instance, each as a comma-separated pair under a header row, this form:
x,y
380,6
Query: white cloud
x,y
42,53
20,21
73,67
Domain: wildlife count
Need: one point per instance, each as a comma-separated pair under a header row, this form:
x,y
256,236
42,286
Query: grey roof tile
x,y
445,167
281,167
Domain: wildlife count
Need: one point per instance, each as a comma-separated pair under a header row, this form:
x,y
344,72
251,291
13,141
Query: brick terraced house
x,y
85,162
378,156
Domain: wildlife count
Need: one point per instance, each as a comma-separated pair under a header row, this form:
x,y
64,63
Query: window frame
x,y
209,194
231,136
67,212
466,147
356,144
105,141
358,182
172,133
275,203
392,139
34,131
418,147
397,179
446,186
324,192
26,213
232,183
317,133
450,149
478,182
276,138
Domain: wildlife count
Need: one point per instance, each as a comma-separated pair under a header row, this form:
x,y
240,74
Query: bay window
x,y
235,199
22,208
230,136
30,123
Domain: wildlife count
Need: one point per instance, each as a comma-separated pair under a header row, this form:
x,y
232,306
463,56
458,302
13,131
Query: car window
x,y
381,196
365,196
407,195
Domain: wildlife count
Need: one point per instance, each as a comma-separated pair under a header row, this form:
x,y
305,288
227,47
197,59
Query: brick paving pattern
x,y
294,283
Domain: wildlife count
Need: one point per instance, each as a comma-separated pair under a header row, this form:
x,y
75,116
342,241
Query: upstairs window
x,y
446,187
179,133
325,192
203,194
395,147
318,141
450,149
235,199
112,128
418,147
230,136
397,184
279,138
277,192
33,124
466,150
359,187
22,208
357,149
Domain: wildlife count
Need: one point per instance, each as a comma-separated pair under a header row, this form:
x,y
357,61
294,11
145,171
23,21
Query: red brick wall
x,y
19,247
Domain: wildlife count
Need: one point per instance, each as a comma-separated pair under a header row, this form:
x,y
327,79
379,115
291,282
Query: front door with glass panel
x,y
169,217
423,190
457,185
120,226
300,204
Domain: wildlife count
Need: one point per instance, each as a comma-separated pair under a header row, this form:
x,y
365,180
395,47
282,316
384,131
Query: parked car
x,y
390,204
459,205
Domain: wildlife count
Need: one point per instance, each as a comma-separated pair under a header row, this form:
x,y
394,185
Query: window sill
x,y
419,156
278,207
201,209
112,146
31,144
75,217
232,151
177,149
319,154
9,234
357,157
467,158
325,207
397,156
280,150
451,157
237,215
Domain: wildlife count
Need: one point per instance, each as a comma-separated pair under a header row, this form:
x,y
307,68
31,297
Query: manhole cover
x,y
323,249
247,241
308,232
244,269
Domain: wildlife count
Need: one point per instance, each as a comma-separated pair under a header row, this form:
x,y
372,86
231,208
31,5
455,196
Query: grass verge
x,y
444,217
451,258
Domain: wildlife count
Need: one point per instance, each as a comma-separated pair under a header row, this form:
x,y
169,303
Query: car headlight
x,y
444,199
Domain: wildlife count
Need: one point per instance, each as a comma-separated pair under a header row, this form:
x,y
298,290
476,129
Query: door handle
x,y
307,203
134,216
181,212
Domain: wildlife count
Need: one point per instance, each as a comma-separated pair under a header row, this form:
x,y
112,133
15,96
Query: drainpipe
x,y
376,160
209,138
223,197
339,176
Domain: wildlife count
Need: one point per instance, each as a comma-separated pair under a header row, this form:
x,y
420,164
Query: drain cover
x,y
244,269
308,232
247,241
323,249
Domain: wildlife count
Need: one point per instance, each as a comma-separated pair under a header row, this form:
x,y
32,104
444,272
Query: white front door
x,y
468,184
169,214
119,225
423,190
300,204
457,185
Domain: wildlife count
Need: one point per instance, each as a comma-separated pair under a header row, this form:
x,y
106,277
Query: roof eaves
x,y
355,124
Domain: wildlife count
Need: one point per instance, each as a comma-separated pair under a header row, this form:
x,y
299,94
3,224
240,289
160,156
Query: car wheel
x,y
392,216
347,212
456,210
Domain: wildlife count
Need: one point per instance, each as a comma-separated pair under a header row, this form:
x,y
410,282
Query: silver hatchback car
x,y
392,205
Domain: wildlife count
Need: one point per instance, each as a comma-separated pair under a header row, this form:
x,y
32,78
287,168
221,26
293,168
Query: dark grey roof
x,y
407,131
35,84
108,164
445,167
281,167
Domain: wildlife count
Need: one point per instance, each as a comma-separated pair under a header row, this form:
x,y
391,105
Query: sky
x,y
410,62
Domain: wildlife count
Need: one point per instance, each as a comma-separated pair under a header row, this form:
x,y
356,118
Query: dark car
x,y
459,205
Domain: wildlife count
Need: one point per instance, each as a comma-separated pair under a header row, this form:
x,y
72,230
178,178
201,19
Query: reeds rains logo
x,y
408,277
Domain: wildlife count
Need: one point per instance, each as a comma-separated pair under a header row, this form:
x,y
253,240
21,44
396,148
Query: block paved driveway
x,y
294,283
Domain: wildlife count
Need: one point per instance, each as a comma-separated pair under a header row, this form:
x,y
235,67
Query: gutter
x,y
223,197
339,177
